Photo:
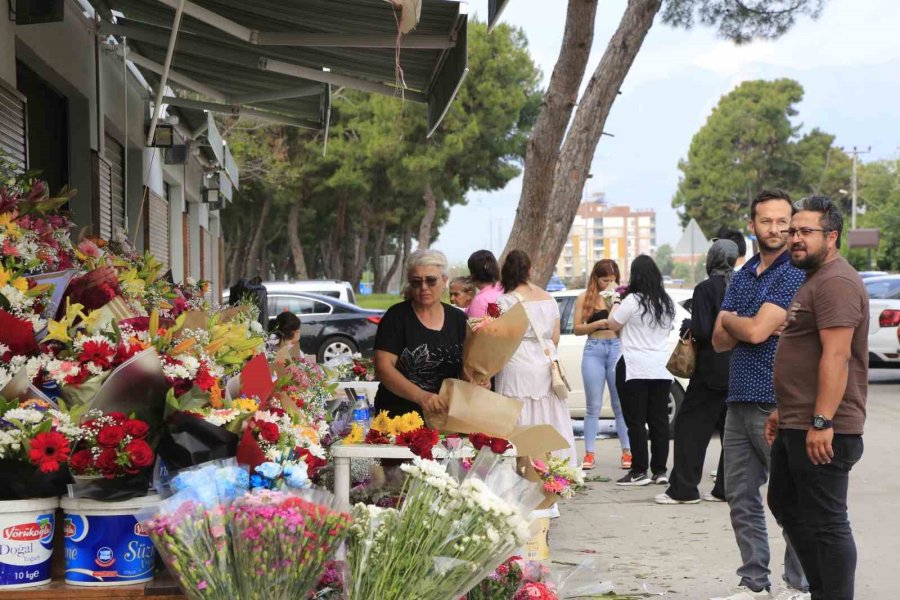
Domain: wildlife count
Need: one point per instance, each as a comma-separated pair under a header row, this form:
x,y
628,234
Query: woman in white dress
x,y
526,376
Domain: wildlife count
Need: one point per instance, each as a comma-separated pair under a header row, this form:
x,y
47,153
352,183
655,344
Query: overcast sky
x,y
848,62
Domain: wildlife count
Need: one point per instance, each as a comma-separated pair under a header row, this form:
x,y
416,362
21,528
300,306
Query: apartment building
x,y
602,230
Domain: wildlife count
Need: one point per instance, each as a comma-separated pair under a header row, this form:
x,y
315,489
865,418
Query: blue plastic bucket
x,y
105,545
26,542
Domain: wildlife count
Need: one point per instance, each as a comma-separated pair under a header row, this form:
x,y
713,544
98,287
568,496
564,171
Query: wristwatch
x,y
820,422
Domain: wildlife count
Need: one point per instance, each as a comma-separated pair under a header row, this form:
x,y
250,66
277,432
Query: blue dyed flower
x,y
269,470
296,475
258,481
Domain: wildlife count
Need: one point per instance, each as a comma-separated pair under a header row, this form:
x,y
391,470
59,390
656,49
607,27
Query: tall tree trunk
x,y
293,230
362,255
252,266
587,127
377,251
543,148
334,260
428,219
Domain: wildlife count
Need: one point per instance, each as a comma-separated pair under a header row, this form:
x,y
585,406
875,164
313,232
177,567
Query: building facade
x,y
601,230
72,107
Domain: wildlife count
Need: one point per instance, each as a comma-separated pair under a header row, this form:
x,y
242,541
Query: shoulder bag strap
x,y
537,331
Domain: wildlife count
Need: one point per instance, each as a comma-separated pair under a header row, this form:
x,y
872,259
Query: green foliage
x,y
749,143
664,259
879,193
741,20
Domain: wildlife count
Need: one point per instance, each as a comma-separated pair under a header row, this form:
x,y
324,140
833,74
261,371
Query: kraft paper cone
x,y
17,387
194,320
486,351
473,409
119,309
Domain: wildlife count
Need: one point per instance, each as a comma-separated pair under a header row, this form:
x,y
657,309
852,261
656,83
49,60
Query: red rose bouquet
x,y
407,430
112,446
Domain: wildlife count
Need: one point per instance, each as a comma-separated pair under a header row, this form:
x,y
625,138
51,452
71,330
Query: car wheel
x,y
334,347
676,397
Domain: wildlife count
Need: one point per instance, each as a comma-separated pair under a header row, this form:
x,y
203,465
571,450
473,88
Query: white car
x,y
571,347
884,318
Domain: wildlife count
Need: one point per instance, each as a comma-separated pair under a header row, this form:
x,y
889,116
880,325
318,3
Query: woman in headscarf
x,y
703,409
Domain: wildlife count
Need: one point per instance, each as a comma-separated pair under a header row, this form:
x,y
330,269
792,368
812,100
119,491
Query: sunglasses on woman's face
x,y
416,282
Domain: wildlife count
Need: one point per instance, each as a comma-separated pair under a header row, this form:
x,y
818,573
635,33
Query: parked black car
x,y
330,327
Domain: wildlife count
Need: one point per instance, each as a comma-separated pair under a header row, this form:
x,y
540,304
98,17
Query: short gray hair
x,y
428,258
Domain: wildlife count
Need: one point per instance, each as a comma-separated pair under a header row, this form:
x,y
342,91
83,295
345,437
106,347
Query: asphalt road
x,y
688,551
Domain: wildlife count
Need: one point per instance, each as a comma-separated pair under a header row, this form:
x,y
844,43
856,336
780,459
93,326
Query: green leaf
x,y
4,303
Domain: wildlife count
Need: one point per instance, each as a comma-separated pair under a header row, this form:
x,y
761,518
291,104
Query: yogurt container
x,y
104,543
26,542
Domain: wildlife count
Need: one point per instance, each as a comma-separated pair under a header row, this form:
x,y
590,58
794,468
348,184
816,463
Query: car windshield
x,y
885,289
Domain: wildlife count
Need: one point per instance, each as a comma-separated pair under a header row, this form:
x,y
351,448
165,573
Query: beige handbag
x,y
558,379
684,358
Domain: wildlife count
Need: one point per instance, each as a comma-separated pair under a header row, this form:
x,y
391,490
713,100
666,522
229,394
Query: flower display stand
x,y
344,453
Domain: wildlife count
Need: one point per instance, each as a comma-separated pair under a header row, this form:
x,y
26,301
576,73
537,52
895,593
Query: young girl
x,y
598,362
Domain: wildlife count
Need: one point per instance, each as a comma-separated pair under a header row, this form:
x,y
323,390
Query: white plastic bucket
x,y
105,545
26,541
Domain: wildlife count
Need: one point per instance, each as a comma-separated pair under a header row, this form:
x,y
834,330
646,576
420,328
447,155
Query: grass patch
x,y
378,301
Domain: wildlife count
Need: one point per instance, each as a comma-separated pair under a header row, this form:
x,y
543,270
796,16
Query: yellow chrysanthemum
x,y
355,436
382,422
245,404
409,422
6,222
21,284
5,276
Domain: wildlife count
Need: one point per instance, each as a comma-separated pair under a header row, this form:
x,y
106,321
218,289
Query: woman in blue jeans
x,y
601,352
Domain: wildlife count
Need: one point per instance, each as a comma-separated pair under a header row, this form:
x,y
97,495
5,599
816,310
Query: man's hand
x,y
770,429
433,403
781,328
818,445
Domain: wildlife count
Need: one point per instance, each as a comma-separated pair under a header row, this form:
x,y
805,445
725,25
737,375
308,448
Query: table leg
x,y
342,479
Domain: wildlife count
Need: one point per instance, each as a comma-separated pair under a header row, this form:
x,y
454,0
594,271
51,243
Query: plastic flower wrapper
x,y
583,581
282,541
460,532
190,529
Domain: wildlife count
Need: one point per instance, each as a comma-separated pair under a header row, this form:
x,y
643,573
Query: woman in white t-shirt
x,y
643,319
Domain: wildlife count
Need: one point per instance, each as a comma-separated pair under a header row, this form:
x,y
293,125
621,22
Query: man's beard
x,y
766,248
812,261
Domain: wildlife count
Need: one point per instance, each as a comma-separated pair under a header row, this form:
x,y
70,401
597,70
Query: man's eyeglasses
x,y
431,281
803,231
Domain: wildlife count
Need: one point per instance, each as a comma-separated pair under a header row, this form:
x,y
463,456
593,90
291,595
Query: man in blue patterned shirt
x,y
754,310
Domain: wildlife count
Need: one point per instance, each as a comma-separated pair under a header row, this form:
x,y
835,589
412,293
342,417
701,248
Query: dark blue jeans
x,y
810,502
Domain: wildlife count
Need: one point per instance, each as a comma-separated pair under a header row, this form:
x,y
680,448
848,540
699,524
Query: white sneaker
x,y
790,593
742,592
708,497
667,499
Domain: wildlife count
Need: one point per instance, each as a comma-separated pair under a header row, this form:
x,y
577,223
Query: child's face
x,y
458,297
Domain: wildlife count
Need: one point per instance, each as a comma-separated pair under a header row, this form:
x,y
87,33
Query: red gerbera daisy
x,y
97,352
48,450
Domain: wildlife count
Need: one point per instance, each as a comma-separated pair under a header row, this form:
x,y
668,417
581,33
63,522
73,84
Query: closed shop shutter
x,y
156,226
186,242
102,200
209,273
13,138
115,155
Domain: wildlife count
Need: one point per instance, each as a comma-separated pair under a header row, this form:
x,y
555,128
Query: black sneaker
x,y
634,479
660,479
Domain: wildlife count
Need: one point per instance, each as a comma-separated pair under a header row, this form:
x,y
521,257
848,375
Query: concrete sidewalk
x,y
688,551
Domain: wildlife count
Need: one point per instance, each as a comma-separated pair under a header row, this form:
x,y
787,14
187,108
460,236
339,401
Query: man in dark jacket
x,y
703,409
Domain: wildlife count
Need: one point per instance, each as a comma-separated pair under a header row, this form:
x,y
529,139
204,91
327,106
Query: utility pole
x,y
855,152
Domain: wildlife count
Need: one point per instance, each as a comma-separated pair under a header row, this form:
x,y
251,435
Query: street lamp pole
x,y
856,154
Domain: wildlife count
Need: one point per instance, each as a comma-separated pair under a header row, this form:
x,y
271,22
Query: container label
x,y
26,545
107,549
361,414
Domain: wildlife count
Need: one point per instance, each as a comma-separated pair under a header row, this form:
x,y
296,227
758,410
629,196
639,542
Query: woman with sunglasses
x,y
419,342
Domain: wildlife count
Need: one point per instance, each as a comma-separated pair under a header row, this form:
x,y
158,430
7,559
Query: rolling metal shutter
x,y
115,155
186,242
102,200
13,130
156,226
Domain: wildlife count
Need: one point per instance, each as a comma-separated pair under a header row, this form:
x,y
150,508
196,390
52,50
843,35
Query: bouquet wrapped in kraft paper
x,y
491,342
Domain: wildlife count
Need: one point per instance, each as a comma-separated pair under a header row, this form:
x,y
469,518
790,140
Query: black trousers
x,y
810,502
645,405
701,414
